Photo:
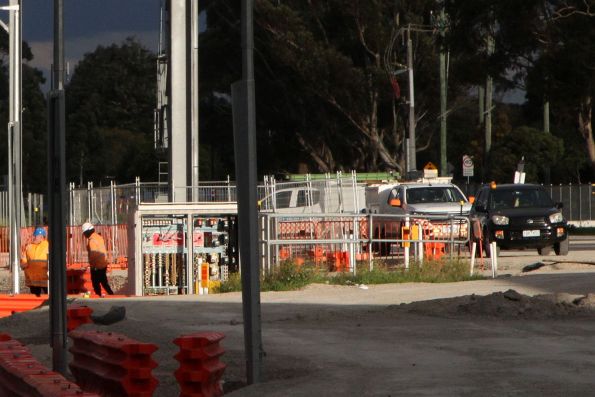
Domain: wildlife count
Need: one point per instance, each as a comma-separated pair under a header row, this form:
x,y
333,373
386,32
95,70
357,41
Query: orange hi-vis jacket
x,y
97,251
35,264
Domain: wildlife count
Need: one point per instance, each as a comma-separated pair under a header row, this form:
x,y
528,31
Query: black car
x,y
518,216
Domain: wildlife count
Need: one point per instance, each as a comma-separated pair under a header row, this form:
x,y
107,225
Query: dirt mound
x,y
508,305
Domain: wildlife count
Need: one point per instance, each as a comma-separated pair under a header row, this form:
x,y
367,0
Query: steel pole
x,y
244,117
443,95
57,199
411,147
15,192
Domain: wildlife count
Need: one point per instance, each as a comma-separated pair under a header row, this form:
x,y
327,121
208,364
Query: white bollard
x,y
473,248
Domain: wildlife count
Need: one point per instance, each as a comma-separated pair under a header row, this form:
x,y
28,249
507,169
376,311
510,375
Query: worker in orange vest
x,y
97,259
34,262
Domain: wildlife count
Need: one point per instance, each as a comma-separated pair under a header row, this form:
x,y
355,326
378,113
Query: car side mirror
x,y
480,208
559,205
471,199
395,202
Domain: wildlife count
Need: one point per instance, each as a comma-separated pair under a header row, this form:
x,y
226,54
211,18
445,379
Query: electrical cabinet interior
x,y
181,248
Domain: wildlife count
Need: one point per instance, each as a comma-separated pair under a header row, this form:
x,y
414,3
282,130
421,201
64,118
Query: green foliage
x,y
109,110
539,149
289,276
428,272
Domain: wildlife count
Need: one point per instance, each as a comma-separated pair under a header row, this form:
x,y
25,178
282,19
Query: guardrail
x,y
341,240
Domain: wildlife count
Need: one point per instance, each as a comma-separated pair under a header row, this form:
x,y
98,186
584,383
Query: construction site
x,y
520,324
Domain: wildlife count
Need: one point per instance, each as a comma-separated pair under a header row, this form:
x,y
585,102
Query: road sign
x,y
467,165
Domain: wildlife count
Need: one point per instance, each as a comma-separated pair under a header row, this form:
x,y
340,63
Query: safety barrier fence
x,y
21,375
10,304
112,364
200,369
339,240
115,237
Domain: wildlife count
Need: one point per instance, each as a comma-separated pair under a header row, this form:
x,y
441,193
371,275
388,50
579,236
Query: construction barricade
x,y
21,375
77,315
200,370
112,365
10,304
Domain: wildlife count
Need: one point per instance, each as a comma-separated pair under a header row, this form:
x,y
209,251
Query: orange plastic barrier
x,y
21,375
10,304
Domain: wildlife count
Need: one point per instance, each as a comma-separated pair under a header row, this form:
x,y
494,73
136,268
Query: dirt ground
x,y
521,334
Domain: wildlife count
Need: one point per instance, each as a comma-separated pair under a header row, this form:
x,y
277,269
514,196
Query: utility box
x,y
173,247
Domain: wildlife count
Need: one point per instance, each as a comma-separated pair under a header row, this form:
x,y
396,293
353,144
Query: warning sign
x,y
430,166
467,165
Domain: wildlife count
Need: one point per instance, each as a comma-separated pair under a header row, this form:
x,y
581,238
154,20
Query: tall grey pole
x,y
244,124
195,108
57,198
443,95
488,104
546,116
15,190
411,149
179,99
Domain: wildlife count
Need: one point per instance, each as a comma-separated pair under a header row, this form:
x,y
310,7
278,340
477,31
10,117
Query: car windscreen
x,y
520,198
434,194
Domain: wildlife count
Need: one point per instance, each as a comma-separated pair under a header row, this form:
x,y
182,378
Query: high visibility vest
x,y
97,252
35,264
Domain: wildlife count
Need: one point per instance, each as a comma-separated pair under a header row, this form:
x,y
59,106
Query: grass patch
x,y
429,272
289,276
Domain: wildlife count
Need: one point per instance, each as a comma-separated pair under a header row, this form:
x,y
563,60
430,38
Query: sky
x,y
87,24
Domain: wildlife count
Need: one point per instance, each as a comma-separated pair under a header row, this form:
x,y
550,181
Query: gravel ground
x,y
521,334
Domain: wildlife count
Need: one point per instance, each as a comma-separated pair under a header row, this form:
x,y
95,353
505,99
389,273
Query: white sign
x,y
467,165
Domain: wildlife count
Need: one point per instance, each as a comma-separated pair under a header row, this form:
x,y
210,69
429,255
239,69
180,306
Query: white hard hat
x,y
87,226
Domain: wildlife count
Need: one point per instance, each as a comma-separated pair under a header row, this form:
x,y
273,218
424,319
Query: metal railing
x,y
341,240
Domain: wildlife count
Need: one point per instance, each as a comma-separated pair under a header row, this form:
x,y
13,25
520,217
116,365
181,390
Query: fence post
x,y
580,204
89,199
137,190
228,189
370,236
28,217
570,199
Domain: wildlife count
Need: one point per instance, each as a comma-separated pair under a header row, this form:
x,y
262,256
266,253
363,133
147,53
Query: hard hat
x,y
87,226
39,232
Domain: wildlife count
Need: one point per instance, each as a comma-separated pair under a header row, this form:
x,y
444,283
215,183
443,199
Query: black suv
x,y
519,216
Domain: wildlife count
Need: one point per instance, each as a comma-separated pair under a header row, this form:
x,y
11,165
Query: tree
x,y
109,109
323,73
34,126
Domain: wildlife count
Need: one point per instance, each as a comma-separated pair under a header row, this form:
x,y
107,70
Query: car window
x,y
482,198
434,194
394,193
520,198
302,197
283,199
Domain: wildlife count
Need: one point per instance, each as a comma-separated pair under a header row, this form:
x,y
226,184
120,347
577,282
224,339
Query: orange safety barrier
x,y
77,315
115,236
21,375
200,368
10,304
112,364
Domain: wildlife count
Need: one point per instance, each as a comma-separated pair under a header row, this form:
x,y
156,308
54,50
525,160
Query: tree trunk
x,y
585,127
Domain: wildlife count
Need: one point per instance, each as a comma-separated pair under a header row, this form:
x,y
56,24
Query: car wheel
x,y
544,250
562,247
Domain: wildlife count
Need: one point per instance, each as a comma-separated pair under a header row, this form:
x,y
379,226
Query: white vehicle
x,y
417,198
434,198
316,199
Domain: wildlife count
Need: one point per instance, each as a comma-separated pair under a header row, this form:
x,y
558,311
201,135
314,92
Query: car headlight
x,y
556,217
500,220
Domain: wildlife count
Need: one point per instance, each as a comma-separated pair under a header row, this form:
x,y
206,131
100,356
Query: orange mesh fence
x,y
115,236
